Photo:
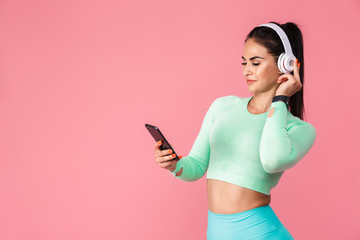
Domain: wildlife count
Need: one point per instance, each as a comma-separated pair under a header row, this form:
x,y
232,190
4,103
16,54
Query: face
x,y
260,66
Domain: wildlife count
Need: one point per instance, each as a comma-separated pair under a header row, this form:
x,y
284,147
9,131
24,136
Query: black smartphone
x,y
157,135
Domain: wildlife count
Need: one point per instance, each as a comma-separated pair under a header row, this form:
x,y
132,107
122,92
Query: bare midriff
x,y
228,198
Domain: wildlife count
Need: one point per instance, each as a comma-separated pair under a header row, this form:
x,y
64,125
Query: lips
x,y
250,81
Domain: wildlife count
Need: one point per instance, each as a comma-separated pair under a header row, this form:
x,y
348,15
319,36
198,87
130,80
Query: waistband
x,y
242,215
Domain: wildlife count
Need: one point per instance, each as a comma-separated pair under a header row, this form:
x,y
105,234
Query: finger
x,y
166,152
168,157
157,144
296,66
160,159
166,164
283,78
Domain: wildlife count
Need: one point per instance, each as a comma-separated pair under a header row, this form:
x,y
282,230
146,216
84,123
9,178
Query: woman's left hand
x,y
289,84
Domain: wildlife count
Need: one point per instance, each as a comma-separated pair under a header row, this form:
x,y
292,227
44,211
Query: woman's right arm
x,y
194,166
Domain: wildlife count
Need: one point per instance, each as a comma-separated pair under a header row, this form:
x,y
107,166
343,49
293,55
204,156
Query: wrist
x,y
176,169
282,98
172,168
282,94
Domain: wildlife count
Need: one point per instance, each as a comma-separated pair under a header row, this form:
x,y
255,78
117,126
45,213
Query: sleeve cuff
x,y
278,104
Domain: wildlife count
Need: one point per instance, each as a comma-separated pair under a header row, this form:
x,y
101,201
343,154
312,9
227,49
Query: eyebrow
x,y
252,57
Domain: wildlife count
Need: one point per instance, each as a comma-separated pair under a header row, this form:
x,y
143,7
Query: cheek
x,y
262,71
269,72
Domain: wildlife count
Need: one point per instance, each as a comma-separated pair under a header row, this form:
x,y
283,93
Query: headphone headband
x,y
282,35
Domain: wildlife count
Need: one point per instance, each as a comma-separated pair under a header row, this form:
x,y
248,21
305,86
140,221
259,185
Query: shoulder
x,y
224,102
229,100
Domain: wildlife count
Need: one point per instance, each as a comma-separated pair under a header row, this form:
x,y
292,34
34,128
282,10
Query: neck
x,y
261,102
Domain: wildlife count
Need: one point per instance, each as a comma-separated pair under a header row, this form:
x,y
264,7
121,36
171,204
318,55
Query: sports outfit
x,y
248,150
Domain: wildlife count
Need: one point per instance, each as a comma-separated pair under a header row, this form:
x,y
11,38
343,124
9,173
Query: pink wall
x,y
80,78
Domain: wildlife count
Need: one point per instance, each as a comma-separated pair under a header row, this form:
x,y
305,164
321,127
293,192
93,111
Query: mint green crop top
x,y
245,149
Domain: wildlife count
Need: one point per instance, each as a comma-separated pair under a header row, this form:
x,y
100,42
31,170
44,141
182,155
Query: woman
x,y
246,143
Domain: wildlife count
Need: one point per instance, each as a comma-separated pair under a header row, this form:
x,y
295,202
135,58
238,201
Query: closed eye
x,y
255,64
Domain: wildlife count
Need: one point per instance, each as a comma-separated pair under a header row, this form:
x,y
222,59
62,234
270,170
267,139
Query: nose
x,y
246,71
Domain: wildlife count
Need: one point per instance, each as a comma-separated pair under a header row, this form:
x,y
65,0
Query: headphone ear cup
x,y
281,63
289,61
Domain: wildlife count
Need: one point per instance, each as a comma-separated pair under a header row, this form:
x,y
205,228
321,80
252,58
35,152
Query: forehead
x,y
252,48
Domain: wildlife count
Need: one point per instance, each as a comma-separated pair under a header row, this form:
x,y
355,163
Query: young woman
x,y
246,143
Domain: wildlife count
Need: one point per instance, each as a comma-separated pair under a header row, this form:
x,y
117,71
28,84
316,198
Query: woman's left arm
x,y
281,147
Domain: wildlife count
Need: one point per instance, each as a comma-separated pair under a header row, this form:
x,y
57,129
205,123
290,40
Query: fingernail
x,y
180,157
173,155
297,61
159,142
299,64
170,151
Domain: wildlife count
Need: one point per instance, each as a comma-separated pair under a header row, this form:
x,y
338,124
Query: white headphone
x,y
286,59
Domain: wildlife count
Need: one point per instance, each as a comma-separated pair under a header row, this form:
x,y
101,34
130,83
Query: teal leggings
x,y
257,223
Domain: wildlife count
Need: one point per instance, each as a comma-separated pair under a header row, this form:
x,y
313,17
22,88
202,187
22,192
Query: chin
x,y
250,89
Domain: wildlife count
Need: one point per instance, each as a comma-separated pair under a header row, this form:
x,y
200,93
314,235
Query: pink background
x,y
79,79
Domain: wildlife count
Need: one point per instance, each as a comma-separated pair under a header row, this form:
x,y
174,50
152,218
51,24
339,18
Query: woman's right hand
x,y
163,157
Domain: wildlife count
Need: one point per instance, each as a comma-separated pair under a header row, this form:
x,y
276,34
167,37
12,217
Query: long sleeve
x,y
281,147
196,163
